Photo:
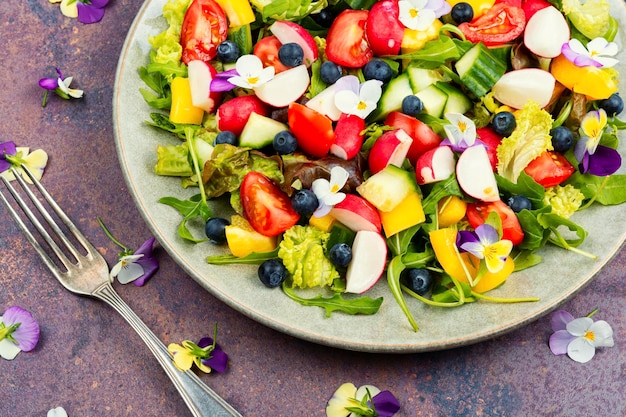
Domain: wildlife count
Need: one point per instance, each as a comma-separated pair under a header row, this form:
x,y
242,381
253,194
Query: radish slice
x,y
546,32
515,88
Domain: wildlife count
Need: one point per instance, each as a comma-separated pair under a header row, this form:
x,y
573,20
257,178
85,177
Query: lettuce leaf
x,y
530,139
287,9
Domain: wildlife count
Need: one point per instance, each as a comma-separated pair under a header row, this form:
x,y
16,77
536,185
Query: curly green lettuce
x,y
302,252
592,17
565,200
530,139
288,9
166,46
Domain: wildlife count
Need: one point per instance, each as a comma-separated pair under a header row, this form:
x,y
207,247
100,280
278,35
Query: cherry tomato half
x,y
500,24
346,42
550,169
266,207
204,27
312,129
267,51
477,214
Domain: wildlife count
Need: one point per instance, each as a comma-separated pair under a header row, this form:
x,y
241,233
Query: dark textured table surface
x,y
91,362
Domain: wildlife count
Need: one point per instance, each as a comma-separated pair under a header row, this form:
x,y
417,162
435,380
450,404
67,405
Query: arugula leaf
x,y
189,209
434,53
362,305
254,258
439,190
607,191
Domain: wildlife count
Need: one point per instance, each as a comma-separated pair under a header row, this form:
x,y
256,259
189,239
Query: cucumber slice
x,y
457,102
391,100
479,70
259,131
420,78
339,234
434,100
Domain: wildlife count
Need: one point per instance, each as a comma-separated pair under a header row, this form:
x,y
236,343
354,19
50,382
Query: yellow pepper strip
x,y
182,109
238,12
595,83
414,40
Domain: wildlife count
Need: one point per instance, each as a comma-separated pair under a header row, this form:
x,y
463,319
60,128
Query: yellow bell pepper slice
x,y
414,40
406,214
450,210
238,12
182,109
595,83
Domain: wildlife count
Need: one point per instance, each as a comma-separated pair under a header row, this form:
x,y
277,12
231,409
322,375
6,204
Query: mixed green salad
x,y
438,144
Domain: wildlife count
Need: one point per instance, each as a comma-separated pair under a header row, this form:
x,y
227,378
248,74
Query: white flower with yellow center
x,y
328,192
251,73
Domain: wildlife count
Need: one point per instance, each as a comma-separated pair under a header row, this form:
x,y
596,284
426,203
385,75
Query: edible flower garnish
x,y
133,266
328,192
594,158
366,401
12,156
250,72
460,132
598,53
579,338
221,82
357,99
207,355
57,412
484,243
18,332
420,14
87,11
61,86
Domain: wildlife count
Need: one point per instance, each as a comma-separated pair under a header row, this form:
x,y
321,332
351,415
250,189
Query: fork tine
x,y
46,215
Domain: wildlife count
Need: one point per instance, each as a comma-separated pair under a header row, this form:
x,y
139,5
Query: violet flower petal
x,y
99,3
487,234
465,236
149,264
559,341
604,161
87,13
4,165
49,83
218,360
7,148
27,334
219,84
560,319
386,404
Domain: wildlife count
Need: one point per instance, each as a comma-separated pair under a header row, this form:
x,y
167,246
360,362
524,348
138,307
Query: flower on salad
x,y
358,99
248,73
579,338
87,11
367,400
207,355
18,332
133,266
460,132
57,412
484,243
328,192
594,158
61,86
12,156
420,14
597,53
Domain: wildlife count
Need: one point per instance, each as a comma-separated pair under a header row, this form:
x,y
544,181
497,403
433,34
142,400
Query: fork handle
x,y
201,400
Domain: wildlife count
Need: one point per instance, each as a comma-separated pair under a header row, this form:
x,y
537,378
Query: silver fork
x,y
88,274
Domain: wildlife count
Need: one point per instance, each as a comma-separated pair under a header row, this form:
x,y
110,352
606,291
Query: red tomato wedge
x,y
266,207
204,27
346,42
550,169
500,24
383,29
312,129
267,51
477,214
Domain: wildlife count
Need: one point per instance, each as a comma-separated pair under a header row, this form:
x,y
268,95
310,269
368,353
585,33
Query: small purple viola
x,y
91,11
18,332
579,337
594,158
6,148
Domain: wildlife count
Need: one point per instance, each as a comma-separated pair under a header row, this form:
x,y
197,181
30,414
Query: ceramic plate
x,y
557,279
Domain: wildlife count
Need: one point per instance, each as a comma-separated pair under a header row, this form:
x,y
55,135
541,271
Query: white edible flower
x,y
328,192
357,99
251,73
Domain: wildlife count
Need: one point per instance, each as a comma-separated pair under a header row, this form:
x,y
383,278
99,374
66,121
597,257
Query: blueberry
x,y
612,105
462,12
418,280
377,69
330,72
304,202
226,136
412,105
291,54
215,229
519,202
324,18
503,123
228,51
562,139
272,273
285,142
340,255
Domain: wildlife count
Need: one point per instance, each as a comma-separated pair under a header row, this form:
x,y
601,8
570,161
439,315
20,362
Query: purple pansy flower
x,y
218,361
18,332
594,158
385,404
91,11
220,82
579,338
484,243
6,148
597,53
61,86
460,132
367,400
207,355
